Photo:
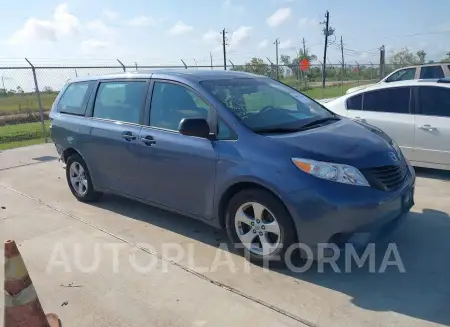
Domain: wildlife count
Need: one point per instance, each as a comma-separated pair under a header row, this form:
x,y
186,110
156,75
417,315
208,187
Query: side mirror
x,y
198,127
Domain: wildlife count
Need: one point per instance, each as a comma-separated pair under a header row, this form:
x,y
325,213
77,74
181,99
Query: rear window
x,y
431,72
355,102
75,98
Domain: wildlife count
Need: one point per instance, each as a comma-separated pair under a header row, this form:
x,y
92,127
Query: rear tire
x,y
259,225
79,180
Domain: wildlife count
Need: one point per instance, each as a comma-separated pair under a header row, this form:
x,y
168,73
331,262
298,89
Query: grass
x,y
329,92
18,144
26,102
13,136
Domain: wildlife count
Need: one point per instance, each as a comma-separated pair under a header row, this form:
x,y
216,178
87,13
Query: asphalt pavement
x,y
122,263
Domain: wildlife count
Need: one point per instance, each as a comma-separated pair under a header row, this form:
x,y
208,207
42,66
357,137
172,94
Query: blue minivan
x,y
239,151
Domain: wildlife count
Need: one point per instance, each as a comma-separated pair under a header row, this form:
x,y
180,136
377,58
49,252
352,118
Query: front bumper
x,y
339,214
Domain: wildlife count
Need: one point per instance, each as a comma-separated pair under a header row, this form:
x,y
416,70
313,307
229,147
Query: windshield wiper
x,y
318,122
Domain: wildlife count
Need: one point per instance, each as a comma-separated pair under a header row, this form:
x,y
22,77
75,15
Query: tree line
x,y
289,68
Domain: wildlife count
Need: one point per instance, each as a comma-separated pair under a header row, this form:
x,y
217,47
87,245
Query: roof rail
x,y
444,80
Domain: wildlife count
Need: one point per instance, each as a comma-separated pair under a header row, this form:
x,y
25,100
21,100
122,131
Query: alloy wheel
x,y
257,228
78,178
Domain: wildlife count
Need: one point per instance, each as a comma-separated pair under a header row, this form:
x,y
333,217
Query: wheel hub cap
x,y
257,228
78,178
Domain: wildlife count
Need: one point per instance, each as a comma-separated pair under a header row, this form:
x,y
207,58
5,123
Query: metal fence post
x,y
38,95
121,64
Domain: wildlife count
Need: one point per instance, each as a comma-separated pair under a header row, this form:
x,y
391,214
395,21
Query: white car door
x,y
389,110
432,137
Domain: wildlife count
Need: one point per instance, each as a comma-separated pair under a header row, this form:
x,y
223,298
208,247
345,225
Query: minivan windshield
x,y
265,105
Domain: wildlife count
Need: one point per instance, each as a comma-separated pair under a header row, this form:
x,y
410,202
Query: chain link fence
x,y
27,93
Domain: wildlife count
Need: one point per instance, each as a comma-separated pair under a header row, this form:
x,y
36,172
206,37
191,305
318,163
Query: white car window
x,y
394,100
354,102
402,75
431,72
434,101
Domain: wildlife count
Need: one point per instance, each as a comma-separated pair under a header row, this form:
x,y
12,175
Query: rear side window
x,y
431,72
120,100
402,75
434,101
355,102
395,100
75,97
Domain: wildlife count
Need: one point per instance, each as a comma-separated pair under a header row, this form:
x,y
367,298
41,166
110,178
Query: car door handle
x,y
128,136
427,127
148,140
360,119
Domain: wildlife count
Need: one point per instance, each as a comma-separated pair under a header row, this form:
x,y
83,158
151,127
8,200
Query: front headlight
x,y
331,171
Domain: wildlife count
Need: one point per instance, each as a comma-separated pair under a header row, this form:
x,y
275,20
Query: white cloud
x,y
142,21
99,27
304,21
180,28
217,48
109,13
212,35
279,17
238,36
230,7
263,44
286,45
93,45
35,30
443,27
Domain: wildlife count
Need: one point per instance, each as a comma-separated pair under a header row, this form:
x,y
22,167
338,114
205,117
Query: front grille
x,y
386,178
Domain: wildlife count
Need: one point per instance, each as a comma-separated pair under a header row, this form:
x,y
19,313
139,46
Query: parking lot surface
x,y
90,262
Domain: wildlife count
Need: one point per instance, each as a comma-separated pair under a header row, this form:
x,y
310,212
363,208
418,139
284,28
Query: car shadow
x,y
423,243
416,285
432,173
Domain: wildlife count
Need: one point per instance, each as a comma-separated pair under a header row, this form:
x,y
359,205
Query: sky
x,y
162,32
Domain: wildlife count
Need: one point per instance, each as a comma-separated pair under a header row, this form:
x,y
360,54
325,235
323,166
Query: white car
x,y
429,71
415,113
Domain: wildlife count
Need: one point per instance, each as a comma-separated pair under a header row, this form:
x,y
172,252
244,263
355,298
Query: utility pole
x,y
210,55
343,64
326,32
359,71
382,61
306,57
4,88
276,53
304,48
224,44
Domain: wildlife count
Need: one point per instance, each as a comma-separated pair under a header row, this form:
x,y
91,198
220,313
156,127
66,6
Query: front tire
x,y
259,225
79,180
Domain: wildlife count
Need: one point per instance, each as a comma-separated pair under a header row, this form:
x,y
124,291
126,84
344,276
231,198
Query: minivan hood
x,y
344,142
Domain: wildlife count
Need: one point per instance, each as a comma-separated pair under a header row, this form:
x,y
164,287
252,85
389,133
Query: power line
x,y
408,35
